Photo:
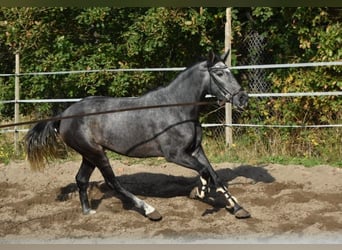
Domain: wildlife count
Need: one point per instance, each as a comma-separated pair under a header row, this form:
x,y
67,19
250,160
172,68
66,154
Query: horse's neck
x,y
187,87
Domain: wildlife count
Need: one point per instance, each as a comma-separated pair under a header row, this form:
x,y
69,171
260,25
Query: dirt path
x,y
286,203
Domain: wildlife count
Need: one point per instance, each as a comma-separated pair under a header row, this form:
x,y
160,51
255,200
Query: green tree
x,y
298,35
59,39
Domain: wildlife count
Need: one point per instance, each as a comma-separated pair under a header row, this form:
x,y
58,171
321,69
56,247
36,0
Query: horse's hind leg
x,y
82,180
104,166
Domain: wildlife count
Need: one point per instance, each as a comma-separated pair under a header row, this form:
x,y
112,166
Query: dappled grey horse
x,y
172,132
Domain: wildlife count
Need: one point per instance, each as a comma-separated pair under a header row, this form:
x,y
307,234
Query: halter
x,y
219,84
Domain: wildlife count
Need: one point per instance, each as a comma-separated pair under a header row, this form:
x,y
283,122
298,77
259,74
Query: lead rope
x,y
58,118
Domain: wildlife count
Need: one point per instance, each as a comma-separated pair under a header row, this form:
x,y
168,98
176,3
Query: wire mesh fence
x,y
297,125
253,49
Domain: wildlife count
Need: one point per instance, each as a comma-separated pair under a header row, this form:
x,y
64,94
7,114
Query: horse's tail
x,y
42,143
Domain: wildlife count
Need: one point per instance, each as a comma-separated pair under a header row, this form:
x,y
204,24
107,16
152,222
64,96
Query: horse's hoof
x,y
242,214
154,216
89,212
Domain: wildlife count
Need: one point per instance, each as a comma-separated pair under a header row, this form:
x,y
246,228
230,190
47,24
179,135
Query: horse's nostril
x,y
240,99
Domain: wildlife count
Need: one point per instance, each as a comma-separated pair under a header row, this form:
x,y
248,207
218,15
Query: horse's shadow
x,y
166,186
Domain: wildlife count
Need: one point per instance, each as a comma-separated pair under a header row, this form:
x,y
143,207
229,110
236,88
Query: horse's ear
x,y
211,58
225,56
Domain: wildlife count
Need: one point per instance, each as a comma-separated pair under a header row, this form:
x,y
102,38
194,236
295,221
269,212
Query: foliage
x,y
6,149
299,35
296,35
59,39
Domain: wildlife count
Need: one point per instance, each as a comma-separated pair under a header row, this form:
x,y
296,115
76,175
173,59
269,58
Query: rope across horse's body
x,y
58,118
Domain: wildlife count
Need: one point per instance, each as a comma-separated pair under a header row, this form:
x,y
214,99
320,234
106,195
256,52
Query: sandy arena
x,y
289,204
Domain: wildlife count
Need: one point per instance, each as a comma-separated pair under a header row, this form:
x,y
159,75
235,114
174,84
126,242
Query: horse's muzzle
x,y
240,100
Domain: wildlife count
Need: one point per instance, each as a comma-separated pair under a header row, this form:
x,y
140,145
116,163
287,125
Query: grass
x,y
308,148
302,147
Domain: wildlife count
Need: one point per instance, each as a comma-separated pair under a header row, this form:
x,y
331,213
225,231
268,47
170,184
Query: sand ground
x,y
288,204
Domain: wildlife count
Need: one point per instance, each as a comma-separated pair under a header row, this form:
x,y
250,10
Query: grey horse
x,y
172,132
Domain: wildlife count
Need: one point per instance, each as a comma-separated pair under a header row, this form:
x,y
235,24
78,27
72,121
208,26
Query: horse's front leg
x,y
208,175
202,190
232,203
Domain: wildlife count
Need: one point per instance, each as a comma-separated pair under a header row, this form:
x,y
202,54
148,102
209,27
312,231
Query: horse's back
x,y
138,133
118,131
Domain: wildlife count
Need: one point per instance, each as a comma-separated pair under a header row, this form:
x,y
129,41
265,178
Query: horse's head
x,y
223,84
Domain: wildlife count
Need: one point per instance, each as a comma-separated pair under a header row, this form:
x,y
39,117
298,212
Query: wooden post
x,y
16,103
227,46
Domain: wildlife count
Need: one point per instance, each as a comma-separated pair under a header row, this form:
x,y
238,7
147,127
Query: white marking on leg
x,y
92,211
148,209
201,193
231,199
221,190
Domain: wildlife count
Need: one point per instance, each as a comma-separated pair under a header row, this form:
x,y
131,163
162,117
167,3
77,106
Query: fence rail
x,y
265,66
270,126
297,94
291,94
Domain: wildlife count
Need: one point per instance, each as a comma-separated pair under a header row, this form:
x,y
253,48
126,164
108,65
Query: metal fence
x,y
256,74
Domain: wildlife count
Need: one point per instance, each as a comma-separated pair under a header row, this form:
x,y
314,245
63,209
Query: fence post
x,y
227,46
16,103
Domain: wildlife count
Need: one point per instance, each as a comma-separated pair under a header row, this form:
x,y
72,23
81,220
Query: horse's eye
x,y
219,73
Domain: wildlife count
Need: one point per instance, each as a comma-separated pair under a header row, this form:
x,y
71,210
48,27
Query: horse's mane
x,y
178,76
